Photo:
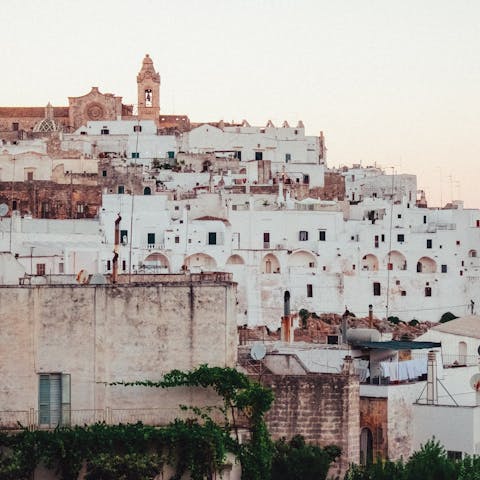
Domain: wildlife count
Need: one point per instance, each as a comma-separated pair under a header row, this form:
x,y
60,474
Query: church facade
x,y
18,123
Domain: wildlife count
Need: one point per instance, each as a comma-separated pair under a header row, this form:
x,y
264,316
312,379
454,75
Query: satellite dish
x,y
475,382
82,277
258,351
3,209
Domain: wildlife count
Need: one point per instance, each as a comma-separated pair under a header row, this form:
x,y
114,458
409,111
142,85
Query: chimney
x,y
432,387
286,332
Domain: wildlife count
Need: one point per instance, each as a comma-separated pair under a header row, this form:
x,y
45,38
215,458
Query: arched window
x,y
147,191
462,353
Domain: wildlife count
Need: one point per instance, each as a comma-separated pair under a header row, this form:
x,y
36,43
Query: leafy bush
x,y
414,322
296,460
394,320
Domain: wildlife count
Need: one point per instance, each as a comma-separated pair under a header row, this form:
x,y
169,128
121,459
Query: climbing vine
x,y
198,445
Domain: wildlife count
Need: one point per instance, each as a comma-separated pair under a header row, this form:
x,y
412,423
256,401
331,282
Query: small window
x,y
177,207
400,237
454,455
322,235
109,265
212,238
80,208
29,176
403,293
14,205
399,215
382,237
147,191
238,155
124,265
458,242
171,154
288,157
121,189
15,126
302,235
104,173
177,239
135,154
429,243
309,290
428,291
151,238
444,269
376,289
187,206
124,236
424,219
137,128
104,131
375,241
40,269
266,239
61,267
258,155
311,264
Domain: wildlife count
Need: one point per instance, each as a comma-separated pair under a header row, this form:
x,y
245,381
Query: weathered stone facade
x,y
106,333
47,199
324,408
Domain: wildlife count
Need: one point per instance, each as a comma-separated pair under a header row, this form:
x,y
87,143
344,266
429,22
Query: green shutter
x,y
44,400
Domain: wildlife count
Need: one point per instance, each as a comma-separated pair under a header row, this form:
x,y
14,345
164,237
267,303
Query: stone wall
x,y
105,333
324,408
45,199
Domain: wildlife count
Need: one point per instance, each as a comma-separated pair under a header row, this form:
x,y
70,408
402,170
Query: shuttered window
x,y
54,399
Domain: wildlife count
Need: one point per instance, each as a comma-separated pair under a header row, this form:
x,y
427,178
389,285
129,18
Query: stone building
x,y
62,344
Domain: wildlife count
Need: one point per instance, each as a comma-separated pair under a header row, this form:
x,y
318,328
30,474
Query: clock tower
x,y
148,84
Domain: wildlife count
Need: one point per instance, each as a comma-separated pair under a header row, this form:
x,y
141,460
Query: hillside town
x,y
135,242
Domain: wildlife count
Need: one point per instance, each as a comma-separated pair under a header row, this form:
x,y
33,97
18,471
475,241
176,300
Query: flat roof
x,y
398,345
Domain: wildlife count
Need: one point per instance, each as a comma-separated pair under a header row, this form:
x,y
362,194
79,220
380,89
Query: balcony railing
x,y
157,417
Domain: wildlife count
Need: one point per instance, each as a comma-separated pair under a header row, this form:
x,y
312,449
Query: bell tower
x,y
148,84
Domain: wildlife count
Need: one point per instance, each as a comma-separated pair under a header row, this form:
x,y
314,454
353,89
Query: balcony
x,y
11,420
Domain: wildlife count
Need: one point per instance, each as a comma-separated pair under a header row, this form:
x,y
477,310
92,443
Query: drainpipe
x,y
432,389
115,249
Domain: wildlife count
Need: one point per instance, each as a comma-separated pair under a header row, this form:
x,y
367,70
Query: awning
x,y
398,345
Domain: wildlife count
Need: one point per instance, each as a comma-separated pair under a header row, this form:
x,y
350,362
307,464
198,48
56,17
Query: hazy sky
x,y
391,82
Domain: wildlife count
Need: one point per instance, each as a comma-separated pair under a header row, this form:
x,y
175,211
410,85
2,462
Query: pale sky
x,y
394,83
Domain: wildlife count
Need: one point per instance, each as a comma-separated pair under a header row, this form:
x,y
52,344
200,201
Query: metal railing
x,y
157,417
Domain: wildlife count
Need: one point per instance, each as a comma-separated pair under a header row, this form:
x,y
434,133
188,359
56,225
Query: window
x,y
266,240
429,243
121,189
428,291
302,235
403,293
454,455
322,235
400,237
15,126
29,176
14,205
104,131
124,236
443,269
382,237
80,208
45,209
258,155
212,238
309,290
135,155
458,242
124,265
288,157
424,219
376,289
238,155
54,399
306,179
147,191
137,128
104,173
399,215
61,267
151,238
171,154
177,239
375,241
109,265
40,269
